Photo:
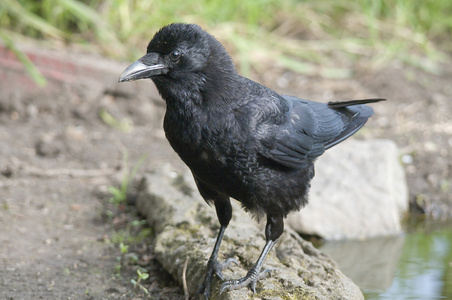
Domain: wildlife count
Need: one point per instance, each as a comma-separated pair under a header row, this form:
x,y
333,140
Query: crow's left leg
x,y
273,230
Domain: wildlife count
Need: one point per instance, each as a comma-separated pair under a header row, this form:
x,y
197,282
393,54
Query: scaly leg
x,y
224,213
273,230
215,267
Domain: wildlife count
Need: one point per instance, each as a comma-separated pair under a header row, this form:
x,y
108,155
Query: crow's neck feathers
x,y
221,77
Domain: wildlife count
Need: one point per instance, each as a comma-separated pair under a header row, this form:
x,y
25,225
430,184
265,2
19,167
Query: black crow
x,y
240,139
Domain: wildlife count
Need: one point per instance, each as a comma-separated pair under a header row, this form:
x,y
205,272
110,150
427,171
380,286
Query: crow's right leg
x,y
224,213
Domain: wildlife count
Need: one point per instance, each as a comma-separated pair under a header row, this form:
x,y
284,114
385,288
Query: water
x,y
416,265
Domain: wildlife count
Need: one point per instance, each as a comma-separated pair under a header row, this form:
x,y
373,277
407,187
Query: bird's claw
x,y
249,280
214,267
218,267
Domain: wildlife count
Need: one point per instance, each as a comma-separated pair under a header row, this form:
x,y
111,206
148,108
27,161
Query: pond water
x,y
416,265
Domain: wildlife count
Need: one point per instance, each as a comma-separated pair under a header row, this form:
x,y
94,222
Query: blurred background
x,y
322,38
319,50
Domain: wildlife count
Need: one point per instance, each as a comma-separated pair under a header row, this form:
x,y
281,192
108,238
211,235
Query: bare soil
x,y
60,234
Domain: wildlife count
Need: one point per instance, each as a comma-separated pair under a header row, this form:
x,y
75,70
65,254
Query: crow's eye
x,y
175,55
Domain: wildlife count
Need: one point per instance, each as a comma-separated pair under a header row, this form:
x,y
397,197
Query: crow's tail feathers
x,y
340,104
357,115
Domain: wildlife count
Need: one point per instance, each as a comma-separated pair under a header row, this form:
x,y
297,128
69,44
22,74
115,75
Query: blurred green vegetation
x,y
313,37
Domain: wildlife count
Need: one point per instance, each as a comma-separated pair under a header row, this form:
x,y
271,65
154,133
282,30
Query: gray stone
x,y
186,228
359,191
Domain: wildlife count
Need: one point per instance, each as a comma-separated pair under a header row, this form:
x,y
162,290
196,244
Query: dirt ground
x,y
60,234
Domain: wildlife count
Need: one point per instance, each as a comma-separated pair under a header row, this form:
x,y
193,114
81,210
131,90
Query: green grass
x,y
33,72
119,194
124,125
294,34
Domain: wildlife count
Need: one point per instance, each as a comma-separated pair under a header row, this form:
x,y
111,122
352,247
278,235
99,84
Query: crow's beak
x,y
145,67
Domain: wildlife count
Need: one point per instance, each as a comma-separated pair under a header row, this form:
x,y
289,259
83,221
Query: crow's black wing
x,y
309,128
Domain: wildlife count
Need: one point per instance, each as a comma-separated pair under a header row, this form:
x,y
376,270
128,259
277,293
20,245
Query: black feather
x,y
339,104
240,139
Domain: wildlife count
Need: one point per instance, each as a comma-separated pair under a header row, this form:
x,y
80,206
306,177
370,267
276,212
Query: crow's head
x,y
178,50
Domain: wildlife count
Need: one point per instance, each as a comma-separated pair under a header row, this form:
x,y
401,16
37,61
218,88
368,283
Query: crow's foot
x,y
249,280
214,267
